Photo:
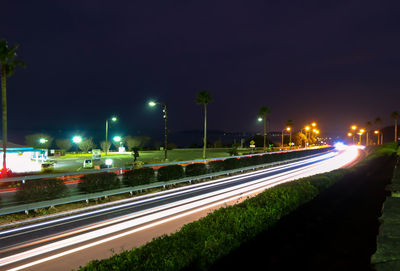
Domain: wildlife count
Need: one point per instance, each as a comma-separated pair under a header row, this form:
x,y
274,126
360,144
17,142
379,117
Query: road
x,y
93,234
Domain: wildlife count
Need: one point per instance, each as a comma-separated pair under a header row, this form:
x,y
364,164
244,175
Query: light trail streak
x,y
183,208
166,194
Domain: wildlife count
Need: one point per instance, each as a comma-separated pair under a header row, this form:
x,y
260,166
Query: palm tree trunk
x,y
205,131
395,130
4,106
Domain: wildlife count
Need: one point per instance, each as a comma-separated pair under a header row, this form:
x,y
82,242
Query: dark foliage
x,y
195,169
139,176
172,172
42,189
99,182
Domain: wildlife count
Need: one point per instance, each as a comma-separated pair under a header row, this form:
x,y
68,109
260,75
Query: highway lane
x,y
58,235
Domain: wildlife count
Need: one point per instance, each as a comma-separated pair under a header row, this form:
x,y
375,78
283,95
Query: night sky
x,y
334,62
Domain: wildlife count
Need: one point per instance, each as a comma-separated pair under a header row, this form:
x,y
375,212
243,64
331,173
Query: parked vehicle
x,y
88,163
96,154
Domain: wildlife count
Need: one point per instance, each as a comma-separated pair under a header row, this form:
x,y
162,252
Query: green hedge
x,y
231,163
139,176
195,169
99,182
172,172
42,189
215,166
200,243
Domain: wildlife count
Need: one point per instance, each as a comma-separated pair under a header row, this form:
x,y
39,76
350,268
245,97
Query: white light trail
x,y
168,212
169,193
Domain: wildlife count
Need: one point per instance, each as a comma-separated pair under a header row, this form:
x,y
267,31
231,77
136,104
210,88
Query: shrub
x,y
233,151
42,189
139,176
215,166
231,163
195,169
171,172
99,182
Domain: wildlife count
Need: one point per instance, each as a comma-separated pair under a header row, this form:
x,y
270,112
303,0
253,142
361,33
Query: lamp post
x,y
113,119
290,137
360,134
165,111
354,128
260,119
77,140
350,135
377,136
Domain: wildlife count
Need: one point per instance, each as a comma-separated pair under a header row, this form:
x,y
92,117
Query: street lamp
x,y
379,134
260,119
77,140
42,140
113,119
290,137
165,111
360,134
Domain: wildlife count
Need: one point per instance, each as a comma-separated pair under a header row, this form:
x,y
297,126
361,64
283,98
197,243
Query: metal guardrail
x,y
86,197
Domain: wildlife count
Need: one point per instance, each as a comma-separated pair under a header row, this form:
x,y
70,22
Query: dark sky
x,y
334,62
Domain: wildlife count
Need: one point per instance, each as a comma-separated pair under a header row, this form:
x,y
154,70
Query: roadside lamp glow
x,y
307,128
260,119
288,129
317,132
349,134
42,140
165,116
113,119
362,130
77,139
108,162
313,124
117,138
376,132
354,127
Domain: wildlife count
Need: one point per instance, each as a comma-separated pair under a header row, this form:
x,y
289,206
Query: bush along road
x,y
323,222
335,231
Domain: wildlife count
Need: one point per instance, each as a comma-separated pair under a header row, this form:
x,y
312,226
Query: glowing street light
x,y
113,119
77,139
360,133
117,138
354,127
165,111
313,124
152,103
260,119
379,134
42,140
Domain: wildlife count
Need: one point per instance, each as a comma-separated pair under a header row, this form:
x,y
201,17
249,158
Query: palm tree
x,y
368,126
204,97
262,113
8,64
378,122
395,116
